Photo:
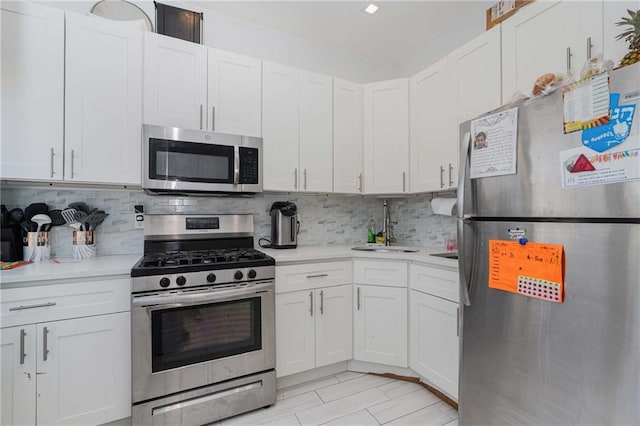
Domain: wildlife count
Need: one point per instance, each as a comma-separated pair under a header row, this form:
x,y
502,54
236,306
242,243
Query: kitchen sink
x,y
448,255
387,249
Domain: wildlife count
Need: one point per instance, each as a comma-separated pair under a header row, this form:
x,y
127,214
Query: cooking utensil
x,y
32,210
16,215
5,215
95,219
56,217
69,215
81,216
41,219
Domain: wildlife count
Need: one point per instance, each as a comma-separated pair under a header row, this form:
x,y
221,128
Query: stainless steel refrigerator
x,y
526,361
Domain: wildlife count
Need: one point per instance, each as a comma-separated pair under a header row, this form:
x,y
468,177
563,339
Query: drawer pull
x,y
42,305
318,276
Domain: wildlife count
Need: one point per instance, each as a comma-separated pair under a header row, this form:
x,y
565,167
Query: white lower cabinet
x,y
313,328
380,325
434,326
61,369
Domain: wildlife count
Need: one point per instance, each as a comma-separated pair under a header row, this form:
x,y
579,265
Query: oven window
x,y
190,161
193,334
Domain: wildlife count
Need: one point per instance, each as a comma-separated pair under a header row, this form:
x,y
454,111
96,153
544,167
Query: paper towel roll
x,y
444,206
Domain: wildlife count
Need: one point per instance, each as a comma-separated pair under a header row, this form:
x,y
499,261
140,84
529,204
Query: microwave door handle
x,y
236,165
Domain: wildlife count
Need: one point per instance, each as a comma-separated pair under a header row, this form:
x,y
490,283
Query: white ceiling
x,y
396,28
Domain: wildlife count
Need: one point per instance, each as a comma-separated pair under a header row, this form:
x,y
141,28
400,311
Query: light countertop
x,y
62,269
343,252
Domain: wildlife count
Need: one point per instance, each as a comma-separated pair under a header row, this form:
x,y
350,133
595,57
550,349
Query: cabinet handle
x,y
360,182
295,178
317,276
450,175
358,298
213,118
457,322
45,351
311,303
589,46
22,354
200,116
441,177
305,178
22,307
404,181
53,154
321,302
569,60
73,154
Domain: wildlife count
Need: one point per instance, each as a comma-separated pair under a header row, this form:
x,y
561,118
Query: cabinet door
x,y
235,93
280,122
547,37
295,332
18,385
32,80
386,136
433,141
175,82
614,11
103,100
84,370
347,137
334,319
433,340
316,132
380,325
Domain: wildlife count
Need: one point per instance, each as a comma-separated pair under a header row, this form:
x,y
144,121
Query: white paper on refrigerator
x,y
493,144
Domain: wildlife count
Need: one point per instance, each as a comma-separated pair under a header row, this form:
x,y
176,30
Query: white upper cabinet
x,y
32,91
175,82
235,93
103,100
475,74
280,126
386,137
296,129
347,137
433,135
316,147
614,11
547,37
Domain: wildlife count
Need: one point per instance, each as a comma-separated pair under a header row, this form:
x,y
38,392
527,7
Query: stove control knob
x,y
252,274
164,282
181,280
238,275
211,278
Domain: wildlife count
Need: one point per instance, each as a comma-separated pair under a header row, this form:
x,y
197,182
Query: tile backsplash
x,y
325,219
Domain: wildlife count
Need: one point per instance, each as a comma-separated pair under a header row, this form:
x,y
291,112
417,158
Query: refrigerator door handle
x,y
464,285
462,173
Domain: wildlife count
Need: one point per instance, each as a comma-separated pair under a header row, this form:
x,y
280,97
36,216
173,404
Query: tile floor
x,y
349,399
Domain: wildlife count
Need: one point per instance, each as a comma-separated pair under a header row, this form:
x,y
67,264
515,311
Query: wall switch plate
x,y
138,221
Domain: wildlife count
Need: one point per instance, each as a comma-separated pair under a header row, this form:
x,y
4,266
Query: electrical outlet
x,y
138,221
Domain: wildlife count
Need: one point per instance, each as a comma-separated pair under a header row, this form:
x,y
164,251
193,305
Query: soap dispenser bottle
x,y
371,235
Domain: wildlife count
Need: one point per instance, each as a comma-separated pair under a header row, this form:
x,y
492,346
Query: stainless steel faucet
x,y
387,224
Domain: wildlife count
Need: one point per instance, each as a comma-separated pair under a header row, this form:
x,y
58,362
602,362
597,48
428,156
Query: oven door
x,y
188,339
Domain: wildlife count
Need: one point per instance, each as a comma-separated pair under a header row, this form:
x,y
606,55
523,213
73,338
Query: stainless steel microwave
x,y
184,161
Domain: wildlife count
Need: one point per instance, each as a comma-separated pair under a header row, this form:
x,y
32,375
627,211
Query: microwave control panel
x,y
248,166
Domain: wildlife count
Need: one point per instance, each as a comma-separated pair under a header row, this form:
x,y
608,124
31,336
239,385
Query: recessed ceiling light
x,y
371,9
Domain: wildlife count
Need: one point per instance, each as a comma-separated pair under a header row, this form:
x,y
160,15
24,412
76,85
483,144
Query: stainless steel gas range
x,y
203,323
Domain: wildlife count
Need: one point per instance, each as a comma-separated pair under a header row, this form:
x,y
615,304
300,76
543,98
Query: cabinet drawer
x,y
380,272
62,301
436,281
312,275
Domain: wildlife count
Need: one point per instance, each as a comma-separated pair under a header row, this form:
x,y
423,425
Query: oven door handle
x,y
195,298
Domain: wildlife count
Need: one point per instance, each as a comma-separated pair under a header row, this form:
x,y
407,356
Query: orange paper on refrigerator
x,y
531,269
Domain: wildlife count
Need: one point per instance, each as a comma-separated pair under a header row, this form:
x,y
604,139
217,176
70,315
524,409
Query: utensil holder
x,y
84,245
37,247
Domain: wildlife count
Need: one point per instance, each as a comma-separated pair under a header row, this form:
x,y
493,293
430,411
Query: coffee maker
x,y
284,225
